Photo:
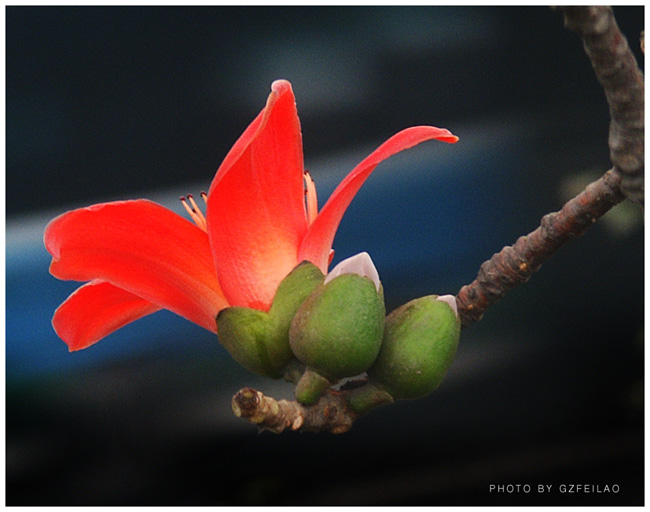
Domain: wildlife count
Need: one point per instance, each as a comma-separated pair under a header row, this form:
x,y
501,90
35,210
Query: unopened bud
x,y
420,341
337,331
360,264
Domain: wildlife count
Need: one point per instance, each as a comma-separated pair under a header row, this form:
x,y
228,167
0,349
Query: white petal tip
x,y
451,300
360,264
280,85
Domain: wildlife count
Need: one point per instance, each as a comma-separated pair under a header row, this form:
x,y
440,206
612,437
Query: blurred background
x,y
126,102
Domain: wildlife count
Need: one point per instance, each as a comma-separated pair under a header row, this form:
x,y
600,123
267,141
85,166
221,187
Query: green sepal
x,y
419,345
258,340
292,292
337,331
249,336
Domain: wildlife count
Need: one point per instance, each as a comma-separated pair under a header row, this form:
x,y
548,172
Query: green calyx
x,y
337,331
258,340
420,341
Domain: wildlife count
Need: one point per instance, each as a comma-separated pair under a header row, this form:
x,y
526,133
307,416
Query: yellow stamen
x,y
311,198
194,211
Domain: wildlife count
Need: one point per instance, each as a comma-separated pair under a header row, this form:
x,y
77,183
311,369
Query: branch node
x,y
330,413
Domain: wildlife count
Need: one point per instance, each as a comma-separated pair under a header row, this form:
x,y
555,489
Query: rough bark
x,y
515,264
617,71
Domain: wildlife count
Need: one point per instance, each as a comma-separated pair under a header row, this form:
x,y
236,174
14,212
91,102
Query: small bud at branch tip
x,y
451,300
360,264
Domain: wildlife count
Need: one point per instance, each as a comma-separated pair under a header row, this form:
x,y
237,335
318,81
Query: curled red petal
x,y
317,243
143,248
256,209
94,311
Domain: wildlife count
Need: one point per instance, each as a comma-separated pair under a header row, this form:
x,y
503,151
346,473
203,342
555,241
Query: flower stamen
x,y
311,198
194,211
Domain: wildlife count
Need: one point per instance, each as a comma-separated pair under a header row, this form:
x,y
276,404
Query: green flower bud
x,y
337,331
258,340
420,341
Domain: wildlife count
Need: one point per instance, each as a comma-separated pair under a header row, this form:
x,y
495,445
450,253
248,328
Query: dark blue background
x,y
114,103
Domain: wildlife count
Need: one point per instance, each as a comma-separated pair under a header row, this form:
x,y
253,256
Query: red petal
x,y
318,242
143,248
256,209
94,311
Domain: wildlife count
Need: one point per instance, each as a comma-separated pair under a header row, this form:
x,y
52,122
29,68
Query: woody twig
x,y
619,74
515,264
329,414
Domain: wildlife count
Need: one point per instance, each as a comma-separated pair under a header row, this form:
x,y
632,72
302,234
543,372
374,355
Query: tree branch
x,y
515,264
329,414
617,71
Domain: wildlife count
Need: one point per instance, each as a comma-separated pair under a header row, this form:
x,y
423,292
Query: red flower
x,y
140,257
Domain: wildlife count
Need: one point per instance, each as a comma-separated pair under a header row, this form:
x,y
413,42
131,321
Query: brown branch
x,y
329,414
515,264
619,74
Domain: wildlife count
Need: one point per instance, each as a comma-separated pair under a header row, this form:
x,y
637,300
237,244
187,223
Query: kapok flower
x,y
139,257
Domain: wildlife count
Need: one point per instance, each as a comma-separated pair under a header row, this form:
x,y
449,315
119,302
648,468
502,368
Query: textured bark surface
x,y
623,82
515,264
329,414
